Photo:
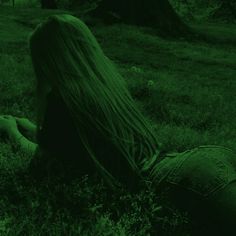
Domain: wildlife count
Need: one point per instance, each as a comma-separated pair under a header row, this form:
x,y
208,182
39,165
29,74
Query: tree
x,y
154,13
227,10
48,4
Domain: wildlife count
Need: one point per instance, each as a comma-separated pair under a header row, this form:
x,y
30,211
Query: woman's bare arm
x,y
9,127
27,128
25,144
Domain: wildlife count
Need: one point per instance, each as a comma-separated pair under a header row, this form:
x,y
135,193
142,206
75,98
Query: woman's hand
x,y
8,125
25,124
27,128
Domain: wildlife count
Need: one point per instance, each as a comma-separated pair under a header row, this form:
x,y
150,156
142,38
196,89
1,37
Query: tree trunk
x,y
48,4
153,13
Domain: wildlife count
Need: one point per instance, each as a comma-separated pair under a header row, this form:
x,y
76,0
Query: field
x,y
186,86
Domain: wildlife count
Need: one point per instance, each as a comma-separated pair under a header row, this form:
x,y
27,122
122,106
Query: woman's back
x,y
60,145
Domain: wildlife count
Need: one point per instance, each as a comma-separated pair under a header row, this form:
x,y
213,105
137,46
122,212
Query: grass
x,y
185,86
191,95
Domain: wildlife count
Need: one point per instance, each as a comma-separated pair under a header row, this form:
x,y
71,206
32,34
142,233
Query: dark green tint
x,y
128,129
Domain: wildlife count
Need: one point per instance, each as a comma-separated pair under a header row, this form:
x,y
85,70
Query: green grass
x,y
191,99
187,89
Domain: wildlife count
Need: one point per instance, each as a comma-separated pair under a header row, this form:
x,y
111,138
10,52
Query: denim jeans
x,y
203,170
189,180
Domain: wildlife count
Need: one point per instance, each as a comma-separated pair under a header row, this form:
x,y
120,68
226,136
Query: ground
x,y
185,86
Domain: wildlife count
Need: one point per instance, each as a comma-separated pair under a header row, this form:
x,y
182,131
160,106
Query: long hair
x,y
65,52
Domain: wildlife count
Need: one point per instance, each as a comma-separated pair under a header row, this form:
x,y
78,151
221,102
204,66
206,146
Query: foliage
x,y
78,5
21,3
201,9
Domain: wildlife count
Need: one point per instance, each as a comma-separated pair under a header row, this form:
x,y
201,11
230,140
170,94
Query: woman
x,y
88,123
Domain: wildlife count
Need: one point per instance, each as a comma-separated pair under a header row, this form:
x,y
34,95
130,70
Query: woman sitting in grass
x,y
88,123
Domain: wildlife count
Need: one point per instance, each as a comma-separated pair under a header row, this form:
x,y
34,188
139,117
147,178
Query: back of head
x,y
65,52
